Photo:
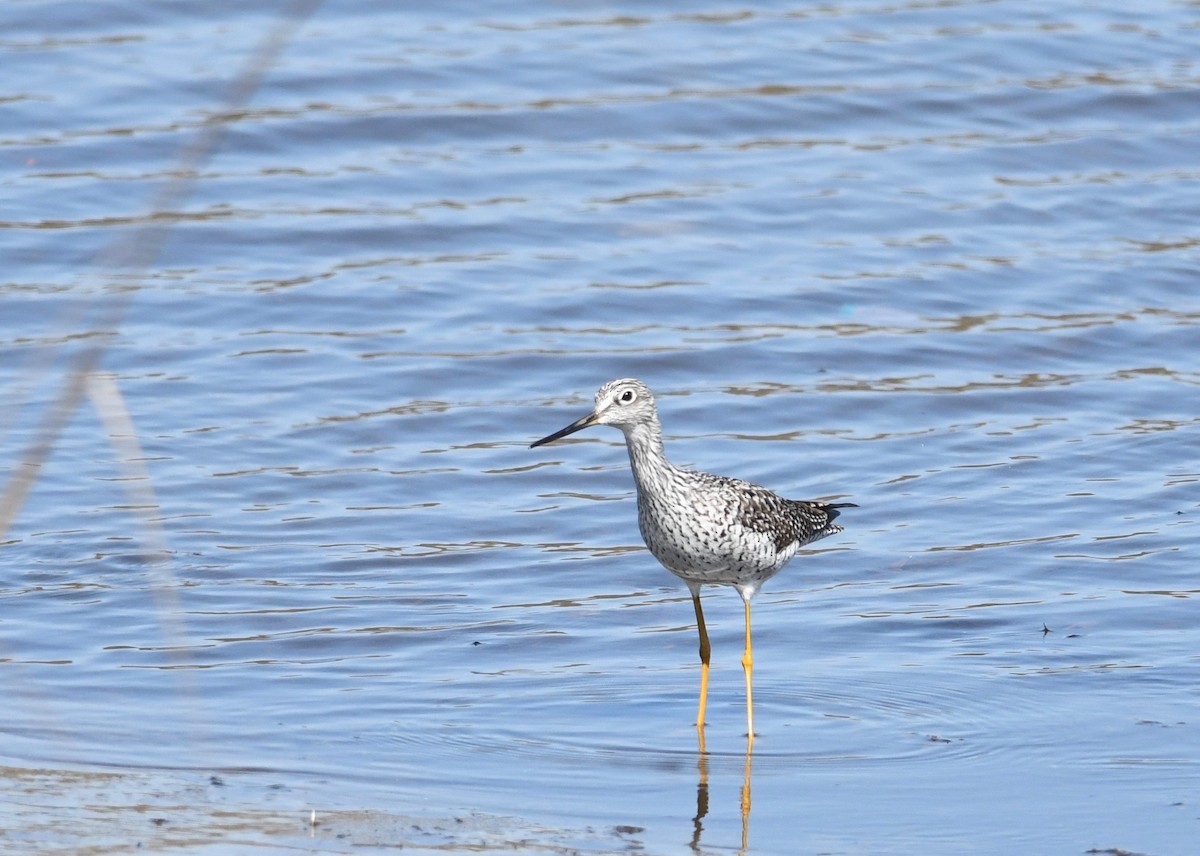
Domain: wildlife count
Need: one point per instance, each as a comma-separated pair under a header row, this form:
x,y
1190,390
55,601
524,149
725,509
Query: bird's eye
x,y
627,396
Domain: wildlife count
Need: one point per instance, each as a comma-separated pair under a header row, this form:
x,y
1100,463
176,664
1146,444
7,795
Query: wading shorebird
x,y
705,529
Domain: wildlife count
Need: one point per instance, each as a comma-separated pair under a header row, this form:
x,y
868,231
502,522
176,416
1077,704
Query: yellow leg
x,y
748,666
705,657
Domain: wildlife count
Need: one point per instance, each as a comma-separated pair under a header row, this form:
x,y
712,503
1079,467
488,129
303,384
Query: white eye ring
x,y
627,396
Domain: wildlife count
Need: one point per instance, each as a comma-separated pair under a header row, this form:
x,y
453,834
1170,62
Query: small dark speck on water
x,y
216,781
1045,629
628,830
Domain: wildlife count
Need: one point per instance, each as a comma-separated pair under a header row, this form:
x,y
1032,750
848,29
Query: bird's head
x,y
623,403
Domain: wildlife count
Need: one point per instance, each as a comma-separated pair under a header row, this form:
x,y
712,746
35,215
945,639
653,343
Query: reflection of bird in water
x,y
705,529
702,798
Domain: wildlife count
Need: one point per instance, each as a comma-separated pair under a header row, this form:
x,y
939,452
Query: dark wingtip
x,y
832,509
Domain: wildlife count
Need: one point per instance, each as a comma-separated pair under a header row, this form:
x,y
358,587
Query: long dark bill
x,y
577,425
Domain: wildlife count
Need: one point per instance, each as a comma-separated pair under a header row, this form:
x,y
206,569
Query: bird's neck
x,y
646,456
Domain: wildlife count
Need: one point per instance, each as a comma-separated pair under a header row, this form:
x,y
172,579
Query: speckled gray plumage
x,y
706,529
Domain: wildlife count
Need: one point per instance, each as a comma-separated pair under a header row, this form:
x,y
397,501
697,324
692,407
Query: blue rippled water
x,y
290,578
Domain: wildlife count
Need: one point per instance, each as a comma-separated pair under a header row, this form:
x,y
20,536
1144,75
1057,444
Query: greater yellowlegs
x,y
705,529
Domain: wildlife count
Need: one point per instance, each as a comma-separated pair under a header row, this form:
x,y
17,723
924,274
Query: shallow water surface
x,y
318,595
